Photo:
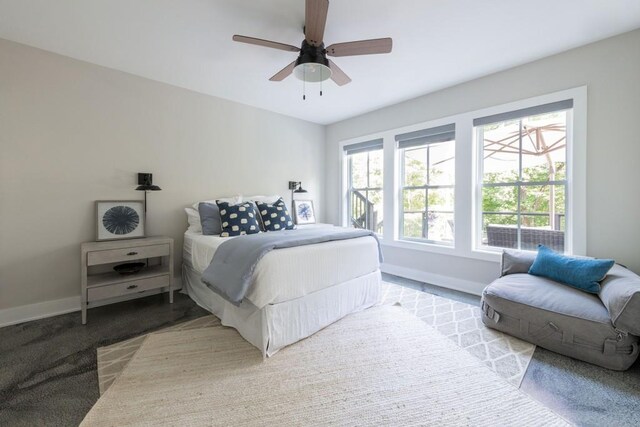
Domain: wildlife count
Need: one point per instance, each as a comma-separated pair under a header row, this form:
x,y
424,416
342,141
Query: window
x,y
427,184
523,177
365,180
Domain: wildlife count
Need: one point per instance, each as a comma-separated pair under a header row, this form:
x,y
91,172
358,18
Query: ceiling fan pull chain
x,y
304,84
321,79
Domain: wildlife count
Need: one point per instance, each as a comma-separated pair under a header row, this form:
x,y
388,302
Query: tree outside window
x,y
428,175
524,165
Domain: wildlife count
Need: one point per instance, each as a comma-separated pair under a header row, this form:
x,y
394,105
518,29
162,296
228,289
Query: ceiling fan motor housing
x,y
312,65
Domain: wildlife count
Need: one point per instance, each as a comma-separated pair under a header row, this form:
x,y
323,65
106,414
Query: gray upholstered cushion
x,y
546,294
620,293
210,218
558,318
514,262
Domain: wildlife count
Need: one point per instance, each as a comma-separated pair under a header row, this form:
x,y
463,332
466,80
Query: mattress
x,y
290,273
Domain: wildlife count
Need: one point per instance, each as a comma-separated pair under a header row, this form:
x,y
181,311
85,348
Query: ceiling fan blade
x,y
315,20
284,73
337,75
362,47
265,43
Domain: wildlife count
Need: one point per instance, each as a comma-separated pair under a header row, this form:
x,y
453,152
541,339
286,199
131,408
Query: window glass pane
x,y
375,169
365,203
500,216
358,170
442,163
427,208
503,199
440,214
414,200
357,209
544,153
375,212
500,230
366,210
501,145
412,225
542,218
415,167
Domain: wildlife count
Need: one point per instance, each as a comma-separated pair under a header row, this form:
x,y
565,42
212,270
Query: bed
x,y
295,291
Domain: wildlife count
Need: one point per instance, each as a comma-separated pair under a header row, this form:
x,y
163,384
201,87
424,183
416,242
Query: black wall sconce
x,y
145,183
296,187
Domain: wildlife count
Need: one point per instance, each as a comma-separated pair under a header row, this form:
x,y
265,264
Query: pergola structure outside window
x,y
523,177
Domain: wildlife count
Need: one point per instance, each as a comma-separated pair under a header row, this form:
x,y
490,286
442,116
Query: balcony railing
x,y
363,213
506,235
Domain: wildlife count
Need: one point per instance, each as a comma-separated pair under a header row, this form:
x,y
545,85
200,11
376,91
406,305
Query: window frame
x,y
519,184
466,172
367,189
426,188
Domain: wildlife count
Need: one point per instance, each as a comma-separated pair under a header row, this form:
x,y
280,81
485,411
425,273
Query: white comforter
x,y
287,274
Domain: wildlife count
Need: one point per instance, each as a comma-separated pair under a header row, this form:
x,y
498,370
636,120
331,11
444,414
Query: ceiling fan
x,y
312,64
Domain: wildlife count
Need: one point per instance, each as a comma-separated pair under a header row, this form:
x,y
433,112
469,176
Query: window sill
x,y
421,246
491,256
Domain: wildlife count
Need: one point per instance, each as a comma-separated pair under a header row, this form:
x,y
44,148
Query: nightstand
x,y
100,283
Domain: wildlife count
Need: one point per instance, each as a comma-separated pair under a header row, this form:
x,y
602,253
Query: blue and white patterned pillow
x,y
275,217
238,219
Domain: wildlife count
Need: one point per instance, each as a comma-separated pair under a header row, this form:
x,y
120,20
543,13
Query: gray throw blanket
x,y
233,263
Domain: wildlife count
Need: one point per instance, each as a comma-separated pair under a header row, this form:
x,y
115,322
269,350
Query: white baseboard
x,y
41,310
468,286
25,313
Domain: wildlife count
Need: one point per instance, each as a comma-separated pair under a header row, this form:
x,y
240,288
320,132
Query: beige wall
x,y
611,71
72,133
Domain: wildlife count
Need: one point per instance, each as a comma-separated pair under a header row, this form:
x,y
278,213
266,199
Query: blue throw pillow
x,y
275,217
238,219
210,219
581,273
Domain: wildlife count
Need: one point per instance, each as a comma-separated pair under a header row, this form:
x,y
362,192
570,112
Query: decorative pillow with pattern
x,y
275,217
238,219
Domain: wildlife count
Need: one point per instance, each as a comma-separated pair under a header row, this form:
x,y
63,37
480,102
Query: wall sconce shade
x,y
296,187
145,183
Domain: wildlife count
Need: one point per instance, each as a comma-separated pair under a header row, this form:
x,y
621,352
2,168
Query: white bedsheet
x,y
290,273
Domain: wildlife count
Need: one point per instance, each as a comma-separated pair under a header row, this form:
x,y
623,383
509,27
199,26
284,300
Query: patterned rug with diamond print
x,y
509,357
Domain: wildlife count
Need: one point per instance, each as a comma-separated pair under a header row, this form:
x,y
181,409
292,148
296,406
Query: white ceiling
x,y
437,43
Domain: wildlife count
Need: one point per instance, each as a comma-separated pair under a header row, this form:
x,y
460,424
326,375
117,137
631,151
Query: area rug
x,y
508,356
113,358
379,366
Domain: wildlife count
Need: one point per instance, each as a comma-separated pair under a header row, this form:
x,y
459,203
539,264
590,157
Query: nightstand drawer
x,y
119,289
118,255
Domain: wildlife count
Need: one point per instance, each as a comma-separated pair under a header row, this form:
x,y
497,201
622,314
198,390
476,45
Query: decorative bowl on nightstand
x,y
129,267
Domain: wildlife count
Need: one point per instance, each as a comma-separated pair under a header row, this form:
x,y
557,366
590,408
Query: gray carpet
x,y
48,367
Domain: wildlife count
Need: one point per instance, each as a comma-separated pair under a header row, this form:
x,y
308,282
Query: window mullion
x,y
519,188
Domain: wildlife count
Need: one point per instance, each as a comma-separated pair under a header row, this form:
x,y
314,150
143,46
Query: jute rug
x,y
379,366
508,356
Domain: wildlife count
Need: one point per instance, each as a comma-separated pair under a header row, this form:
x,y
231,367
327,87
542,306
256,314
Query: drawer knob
x,y
132,286
132,253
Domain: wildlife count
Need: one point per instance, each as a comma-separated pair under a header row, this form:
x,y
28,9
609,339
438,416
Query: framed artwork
x,y
119,219
303,212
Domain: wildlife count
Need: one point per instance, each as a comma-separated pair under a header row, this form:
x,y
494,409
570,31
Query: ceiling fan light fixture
x,y
312,72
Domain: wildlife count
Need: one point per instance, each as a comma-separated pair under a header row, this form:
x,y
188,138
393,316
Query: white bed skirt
x,y
278,325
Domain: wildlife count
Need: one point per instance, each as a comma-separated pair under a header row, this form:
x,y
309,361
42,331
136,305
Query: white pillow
x,y
193,218
263,199
231,200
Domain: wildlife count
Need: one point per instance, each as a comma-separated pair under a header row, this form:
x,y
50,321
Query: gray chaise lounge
x,y
601,329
